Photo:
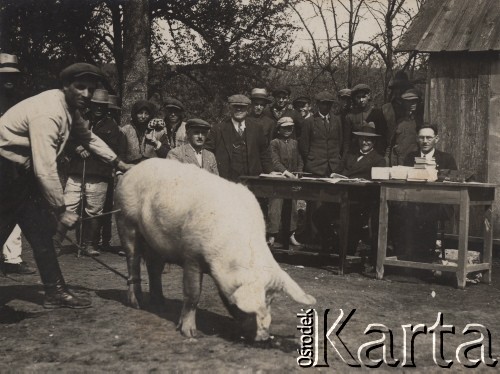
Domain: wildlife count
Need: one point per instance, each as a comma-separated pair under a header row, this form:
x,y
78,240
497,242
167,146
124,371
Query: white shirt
x,y
429,156
238,125
363,154
198,155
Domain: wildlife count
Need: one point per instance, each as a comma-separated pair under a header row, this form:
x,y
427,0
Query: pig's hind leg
x,y
192,279
155,265
131,240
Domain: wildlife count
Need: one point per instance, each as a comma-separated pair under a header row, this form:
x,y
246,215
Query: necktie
x,y
240,129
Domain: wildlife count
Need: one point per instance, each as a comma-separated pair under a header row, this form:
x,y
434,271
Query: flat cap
x,y
171,102
345,92
79,70
325,96
260,93
282,89
196,122
411,94
113,102
8,63
238,100
285,121
360,88
301,99
100,96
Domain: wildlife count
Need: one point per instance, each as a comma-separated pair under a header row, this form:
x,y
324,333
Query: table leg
x,y
488,243
344,228
382,232
285,224
463,238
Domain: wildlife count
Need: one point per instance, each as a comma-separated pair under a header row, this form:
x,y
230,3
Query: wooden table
x,y
463,194
343,193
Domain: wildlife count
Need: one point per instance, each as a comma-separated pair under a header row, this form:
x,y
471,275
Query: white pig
x,y
181,214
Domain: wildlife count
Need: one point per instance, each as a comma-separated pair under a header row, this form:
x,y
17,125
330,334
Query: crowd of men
x,y
63,151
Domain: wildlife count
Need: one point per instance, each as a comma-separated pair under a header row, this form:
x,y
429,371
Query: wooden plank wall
x,y
457,100
494,139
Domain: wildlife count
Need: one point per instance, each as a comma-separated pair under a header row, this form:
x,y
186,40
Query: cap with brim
x,y
360,88
301,99
282,89
345,92
285,121
8,63
113,102
171,102
410,94
325,96
100,96
197,123
238,100
260,93
368,129
79,70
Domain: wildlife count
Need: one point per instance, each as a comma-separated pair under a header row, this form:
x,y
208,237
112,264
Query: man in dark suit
x,y
421,220
356,164
260,101
321,143
239,144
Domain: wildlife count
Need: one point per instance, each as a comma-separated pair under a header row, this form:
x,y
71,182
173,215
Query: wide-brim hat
x,y
100,96
171,102
79,70
8,63
197,123
360,88
282,89
114,102
260,93
239,100
368,129
325,96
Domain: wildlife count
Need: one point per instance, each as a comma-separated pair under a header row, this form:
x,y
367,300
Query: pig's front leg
x,y
192,279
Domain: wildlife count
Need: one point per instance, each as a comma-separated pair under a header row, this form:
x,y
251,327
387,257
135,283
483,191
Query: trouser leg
x,y
12,248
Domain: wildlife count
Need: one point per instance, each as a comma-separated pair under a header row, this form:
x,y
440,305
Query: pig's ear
x,y
248,298
293,289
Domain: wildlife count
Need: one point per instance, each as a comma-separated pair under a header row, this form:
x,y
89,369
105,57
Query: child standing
x,y
286,160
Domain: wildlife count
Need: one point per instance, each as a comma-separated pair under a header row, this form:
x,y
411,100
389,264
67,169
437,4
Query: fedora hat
x,y
368,129
260,93
114,102
8,63
100,96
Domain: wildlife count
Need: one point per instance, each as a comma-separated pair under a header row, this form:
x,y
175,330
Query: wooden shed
x,y
462,38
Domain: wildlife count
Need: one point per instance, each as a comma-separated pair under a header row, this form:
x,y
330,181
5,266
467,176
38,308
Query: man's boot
x,y
57,294
90,233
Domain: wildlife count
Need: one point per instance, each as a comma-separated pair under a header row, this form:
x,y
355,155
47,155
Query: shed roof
x,y
454,25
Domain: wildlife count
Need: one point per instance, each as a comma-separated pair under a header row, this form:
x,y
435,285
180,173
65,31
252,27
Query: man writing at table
x,y
422,219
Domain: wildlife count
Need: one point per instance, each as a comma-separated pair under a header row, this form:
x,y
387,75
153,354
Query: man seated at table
x,y
356,164
421,219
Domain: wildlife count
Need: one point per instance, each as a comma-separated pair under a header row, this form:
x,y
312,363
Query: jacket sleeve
x,y
275,155
304,140
91,141
44,140
265,157
211,142
409,159
162,152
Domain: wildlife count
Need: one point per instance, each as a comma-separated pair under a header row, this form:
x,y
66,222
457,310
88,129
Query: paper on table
x,y
264,175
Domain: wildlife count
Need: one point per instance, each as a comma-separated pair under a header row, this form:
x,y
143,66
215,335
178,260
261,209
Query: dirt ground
x,y
112,337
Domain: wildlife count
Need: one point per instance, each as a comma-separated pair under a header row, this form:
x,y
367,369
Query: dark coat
x,y
297,119
268,126
353,168
219,142
355,120
316,145
443,160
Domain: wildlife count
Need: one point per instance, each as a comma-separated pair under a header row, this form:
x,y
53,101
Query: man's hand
x,y
287,174
82,152
122,166
68,219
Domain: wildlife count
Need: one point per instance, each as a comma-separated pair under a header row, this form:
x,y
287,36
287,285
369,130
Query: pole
x,y
82,198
